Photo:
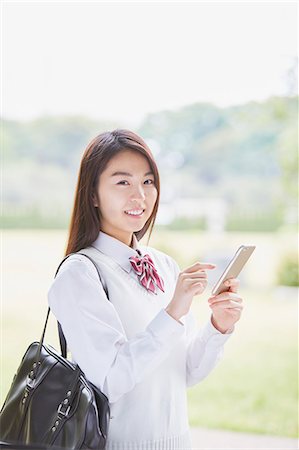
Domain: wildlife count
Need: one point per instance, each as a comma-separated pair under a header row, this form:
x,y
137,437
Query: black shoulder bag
x,y
50,403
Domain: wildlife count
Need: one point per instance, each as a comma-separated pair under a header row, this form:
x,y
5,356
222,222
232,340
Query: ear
x,y
94,200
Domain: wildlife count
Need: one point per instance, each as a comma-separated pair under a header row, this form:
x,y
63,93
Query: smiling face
x,y
127,184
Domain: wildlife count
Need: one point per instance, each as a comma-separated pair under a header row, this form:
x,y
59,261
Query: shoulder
x,y
76,286
76,279
76,267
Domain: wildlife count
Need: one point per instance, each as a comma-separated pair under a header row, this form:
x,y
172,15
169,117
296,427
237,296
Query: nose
x,y
138,194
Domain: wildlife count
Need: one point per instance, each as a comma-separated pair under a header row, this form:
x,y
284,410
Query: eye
x,y
125,181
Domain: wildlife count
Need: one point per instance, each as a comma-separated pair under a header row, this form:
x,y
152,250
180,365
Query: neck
x,y
125,239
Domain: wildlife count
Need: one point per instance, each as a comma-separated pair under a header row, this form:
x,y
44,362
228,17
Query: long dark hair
x,y
85,223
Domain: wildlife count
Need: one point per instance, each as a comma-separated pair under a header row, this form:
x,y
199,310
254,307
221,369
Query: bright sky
x,y
121,60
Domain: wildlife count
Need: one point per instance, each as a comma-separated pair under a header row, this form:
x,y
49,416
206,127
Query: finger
x,y
232,312
197,274
199,284
194,282
197,266
228,304
224,302
198,288
233,284
195,287
225,296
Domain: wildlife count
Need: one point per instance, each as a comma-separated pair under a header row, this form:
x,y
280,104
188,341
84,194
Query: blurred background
x,y
212,88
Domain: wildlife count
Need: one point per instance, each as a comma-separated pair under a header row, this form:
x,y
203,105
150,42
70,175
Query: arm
x,y
205,349
204,346
95,335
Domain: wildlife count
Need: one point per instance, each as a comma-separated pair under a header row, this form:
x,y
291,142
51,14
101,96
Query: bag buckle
x,y
30,382
64,413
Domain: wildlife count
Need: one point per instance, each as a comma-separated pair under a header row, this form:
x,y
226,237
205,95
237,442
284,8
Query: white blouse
x,y
130,347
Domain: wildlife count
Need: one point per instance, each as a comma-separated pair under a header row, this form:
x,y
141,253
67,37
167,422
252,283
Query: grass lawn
x,y
254,388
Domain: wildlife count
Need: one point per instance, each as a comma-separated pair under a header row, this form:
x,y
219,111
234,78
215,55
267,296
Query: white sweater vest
x,y
153,415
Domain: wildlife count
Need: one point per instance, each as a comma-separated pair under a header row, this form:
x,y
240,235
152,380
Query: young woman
x,y
140,346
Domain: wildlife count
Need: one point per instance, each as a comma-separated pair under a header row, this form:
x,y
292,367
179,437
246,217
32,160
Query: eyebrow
x,y
128,174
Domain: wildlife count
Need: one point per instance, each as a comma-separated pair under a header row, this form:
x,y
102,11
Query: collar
x,y
117,250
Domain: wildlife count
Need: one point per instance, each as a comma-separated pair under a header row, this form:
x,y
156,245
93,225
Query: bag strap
x,y
62,340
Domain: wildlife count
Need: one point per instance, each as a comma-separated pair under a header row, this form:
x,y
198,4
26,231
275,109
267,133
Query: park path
x,y
207,439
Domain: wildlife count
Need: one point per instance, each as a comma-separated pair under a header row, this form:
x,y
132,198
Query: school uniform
x,y
140,357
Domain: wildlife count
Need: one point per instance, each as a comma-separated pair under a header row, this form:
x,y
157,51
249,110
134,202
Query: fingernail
x,y
226,283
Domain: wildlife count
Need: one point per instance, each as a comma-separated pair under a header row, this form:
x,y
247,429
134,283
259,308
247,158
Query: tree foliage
x,y
245,154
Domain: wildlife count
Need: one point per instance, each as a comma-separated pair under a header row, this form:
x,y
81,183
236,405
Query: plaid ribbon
x,y
147,273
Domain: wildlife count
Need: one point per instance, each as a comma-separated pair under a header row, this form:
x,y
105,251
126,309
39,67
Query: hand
x,y
227,306
191,281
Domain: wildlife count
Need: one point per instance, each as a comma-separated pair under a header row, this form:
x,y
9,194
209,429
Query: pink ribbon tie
x,y
147,273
